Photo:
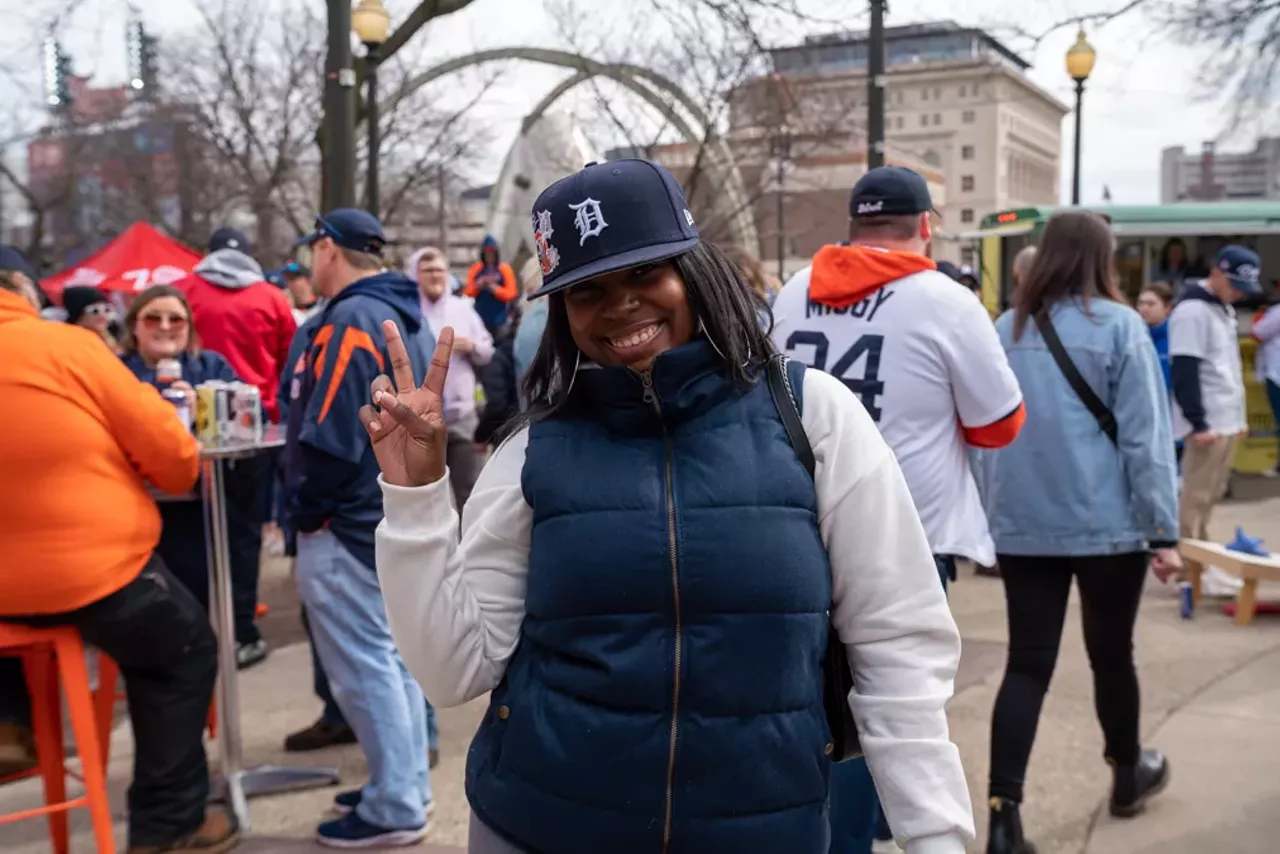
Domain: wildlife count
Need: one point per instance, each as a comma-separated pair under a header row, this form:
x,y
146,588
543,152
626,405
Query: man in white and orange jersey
x,y
923,356
920,353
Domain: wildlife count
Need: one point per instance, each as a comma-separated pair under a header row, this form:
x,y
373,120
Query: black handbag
x,y
837,678
1105,417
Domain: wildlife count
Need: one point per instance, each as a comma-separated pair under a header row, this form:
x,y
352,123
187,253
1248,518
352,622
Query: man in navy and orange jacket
x,y
492,284
335,505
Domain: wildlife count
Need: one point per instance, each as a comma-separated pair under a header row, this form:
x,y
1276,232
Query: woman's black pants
x,y
1036,591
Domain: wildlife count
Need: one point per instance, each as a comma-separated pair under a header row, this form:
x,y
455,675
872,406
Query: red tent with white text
x,y
134,261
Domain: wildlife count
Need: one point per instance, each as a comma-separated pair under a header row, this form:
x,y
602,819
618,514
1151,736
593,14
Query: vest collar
x,y
686,381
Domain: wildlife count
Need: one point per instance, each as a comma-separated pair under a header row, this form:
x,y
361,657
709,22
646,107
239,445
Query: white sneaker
x,y
1219,585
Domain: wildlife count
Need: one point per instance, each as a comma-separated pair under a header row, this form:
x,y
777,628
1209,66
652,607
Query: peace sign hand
x,y
408,429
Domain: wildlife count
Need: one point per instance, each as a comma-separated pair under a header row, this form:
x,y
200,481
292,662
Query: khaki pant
x,y
1206,471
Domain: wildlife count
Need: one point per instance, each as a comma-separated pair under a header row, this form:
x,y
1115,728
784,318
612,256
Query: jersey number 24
x,y
870,387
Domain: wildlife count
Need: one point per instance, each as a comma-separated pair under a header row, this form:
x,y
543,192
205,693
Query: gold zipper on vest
x,y
651,396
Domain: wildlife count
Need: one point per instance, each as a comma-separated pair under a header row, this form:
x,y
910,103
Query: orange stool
x,y
47,655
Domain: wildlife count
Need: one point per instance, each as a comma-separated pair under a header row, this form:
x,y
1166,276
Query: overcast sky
x,y
1141,98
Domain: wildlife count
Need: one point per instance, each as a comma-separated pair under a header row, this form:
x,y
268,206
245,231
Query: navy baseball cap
x,y
293,268
12,259
609,216
890,191
350,228
1241,266
229,238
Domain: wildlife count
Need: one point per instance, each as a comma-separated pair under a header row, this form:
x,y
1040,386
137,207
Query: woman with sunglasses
x,y
158,327
647,572
90,309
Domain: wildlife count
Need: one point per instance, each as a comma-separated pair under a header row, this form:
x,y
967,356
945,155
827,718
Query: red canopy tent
x,y
137,259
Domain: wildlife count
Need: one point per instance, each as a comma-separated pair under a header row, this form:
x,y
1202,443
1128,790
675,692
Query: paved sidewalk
x,y
1211,694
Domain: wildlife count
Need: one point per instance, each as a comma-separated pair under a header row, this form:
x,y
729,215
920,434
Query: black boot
x,y
1136,784
1004,830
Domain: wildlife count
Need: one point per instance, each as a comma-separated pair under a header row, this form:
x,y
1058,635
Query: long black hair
x,y
731,315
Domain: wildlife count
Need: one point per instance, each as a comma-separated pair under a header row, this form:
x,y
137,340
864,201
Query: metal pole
x,y
781,151
339,110
373,200
444,222
876,86
1075,178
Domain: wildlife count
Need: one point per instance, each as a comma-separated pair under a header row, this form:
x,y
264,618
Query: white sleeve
x,y
892,614
1268,326
480,337
982,382
1189,329
456,609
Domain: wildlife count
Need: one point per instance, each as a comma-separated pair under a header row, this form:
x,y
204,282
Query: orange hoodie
x,y
79,434
844,275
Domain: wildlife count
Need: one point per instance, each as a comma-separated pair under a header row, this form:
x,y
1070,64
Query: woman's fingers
x,y
440,363
380,383
399,412
401,367
371,420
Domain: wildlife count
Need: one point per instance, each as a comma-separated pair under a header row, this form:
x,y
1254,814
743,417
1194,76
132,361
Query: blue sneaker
x,y
345,802
351,831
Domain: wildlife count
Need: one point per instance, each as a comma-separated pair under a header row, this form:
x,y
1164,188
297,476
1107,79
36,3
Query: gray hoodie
x,y
229,268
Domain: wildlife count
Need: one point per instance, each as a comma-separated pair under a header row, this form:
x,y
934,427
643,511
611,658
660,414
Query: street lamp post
x,y
781,153
875,86
372,24
1080,59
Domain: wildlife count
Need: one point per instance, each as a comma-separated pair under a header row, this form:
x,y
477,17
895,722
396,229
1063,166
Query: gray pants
x,y
482,840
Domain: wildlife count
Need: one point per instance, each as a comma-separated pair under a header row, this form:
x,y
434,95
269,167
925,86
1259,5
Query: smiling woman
x,y
649,568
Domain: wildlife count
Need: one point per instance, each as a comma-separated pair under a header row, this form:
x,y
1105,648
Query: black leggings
x,y
1036,590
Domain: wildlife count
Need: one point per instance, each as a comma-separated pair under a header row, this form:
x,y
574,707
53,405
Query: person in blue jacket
x,y
335,504
648,573
158,326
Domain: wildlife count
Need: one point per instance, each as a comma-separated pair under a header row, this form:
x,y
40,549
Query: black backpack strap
x,y
784,399
1105,417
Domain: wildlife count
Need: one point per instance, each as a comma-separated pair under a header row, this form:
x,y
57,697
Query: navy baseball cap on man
x,y
12,260
608,217
1241,266
229,238
890,191
350,228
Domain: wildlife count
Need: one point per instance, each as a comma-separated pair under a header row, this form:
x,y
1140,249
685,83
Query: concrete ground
x,y
1211,695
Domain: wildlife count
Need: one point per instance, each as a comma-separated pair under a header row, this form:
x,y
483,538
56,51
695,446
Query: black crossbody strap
x,y
1105,417
780,388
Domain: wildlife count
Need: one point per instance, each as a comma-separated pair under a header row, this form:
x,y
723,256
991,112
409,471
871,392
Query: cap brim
x,y
308,239
1245,286
633,258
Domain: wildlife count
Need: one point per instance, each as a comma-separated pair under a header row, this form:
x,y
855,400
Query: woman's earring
x,y
577,361
702,327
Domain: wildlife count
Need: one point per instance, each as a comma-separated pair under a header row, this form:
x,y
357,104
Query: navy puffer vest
x,y
666,692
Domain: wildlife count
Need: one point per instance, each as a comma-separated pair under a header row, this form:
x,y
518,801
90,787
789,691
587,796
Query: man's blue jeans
x,y
856,816
375,692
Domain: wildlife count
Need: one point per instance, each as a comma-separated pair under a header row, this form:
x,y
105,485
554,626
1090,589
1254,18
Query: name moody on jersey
x,y
864,309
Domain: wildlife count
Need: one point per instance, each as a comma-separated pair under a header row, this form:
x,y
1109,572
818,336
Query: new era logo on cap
x,y
609,216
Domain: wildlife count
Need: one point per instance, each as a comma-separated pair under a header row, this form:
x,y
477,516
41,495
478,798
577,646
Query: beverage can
x,y
168,371
180,405
1186,600
224,394
206,412
248,413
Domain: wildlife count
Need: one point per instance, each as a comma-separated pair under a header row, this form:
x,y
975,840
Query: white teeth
x,y
637,338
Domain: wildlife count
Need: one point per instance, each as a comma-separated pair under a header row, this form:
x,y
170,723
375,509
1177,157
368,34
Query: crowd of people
x,y
615,504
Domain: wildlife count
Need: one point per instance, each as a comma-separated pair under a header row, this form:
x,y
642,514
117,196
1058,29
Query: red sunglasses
x,y
157,321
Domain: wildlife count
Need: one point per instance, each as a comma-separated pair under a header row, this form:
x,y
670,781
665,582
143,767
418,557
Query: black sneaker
x,y
249,654
351,831
1136,784
318,736
345,803
1004,830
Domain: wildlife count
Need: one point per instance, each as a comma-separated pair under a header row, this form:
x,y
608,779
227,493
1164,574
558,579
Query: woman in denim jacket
x,y
1067,502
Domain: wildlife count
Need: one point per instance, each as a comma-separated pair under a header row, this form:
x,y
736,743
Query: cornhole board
x,y
1249,568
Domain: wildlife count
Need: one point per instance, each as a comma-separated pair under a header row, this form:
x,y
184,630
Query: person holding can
x,y
161,349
